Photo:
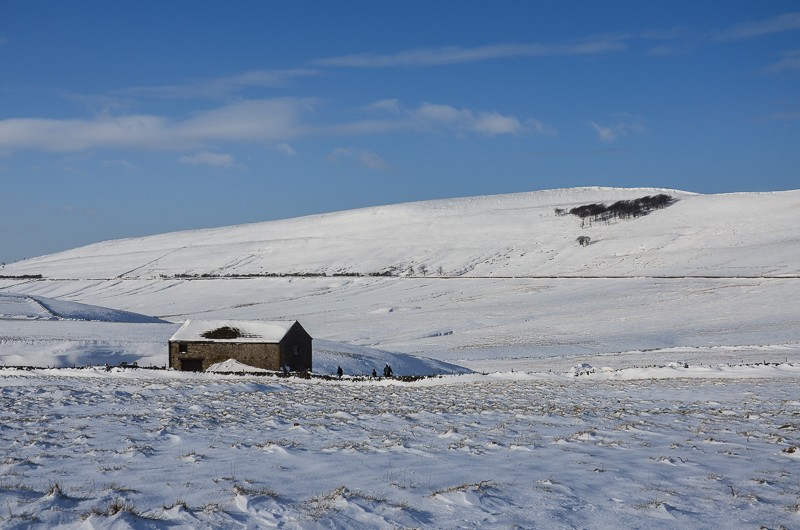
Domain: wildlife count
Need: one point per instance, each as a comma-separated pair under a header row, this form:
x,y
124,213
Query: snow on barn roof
x,y
233,330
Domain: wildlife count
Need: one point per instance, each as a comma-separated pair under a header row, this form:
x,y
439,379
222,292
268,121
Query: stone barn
x,y
271,345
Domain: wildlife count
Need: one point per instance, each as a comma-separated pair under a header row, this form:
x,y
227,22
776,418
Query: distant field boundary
x,y
38,277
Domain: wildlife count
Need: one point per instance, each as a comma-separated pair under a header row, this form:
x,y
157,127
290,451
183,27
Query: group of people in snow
x,y
387,371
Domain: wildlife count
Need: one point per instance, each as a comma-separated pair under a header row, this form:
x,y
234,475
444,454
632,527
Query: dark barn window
x,y
192,365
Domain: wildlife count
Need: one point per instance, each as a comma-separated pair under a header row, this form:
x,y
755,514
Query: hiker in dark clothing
x,y
339,372
374,373
387,371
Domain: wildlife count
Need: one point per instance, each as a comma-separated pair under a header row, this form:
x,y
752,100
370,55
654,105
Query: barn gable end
x,y
271,345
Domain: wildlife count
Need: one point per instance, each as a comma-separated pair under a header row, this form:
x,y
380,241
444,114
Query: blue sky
x,y
126,118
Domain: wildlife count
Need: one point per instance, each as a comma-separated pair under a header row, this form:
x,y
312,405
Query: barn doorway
x,y
192,365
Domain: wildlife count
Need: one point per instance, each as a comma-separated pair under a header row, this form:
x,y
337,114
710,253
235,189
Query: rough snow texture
x,y
121,449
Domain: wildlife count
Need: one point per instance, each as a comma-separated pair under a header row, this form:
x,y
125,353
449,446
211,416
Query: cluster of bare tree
x,y
624,209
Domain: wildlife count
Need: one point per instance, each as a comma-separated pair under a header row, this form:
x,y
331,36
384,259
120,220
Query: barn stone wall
x,y
266,356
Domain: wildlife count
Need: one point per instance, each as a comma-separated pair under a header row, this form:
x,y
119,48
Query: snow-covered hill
x,y
710,278
747,234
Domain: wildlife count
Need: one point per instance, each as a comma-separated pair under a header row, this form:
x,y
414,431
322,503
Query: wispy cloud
x,y
623,125
391,106
790,61
252,120
787,115
748,30
286,149
440,116
120,163
457,54
219,87
271,122
208,159
363,157
603,132
670,50
672,42
488,123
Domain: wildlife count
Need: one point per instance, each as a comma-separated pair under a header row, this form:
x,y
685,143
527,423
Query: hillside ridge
x,y
510,235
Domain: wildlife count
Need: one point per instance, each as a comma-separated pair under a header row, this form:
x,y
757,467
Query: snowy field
x,y
646,380
141,449
482,324
495,282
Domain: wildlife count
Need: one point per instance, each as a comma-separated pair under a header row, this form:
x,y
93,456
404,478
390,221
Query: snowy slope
x,y
748,234
747,243
15,306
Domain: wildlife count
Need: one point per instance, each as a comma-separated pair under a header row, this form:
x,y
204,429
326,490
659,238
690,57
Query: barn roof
x,y
233,330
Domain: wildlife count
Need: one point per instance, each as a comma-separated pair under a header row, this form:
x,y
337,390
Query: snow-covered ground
x,y
673,420
483,324
142,449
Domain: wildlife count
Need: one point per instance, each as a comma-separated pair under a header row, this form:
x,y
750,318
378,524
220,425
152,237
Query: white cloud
x,y
77,135
391,106
249,120
372,160
747,30
286,149
208,159
219,87
790,61
492,123
540,127
433,112
606,134
431,115
624,125
441,118
271,122
364,157
458,54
